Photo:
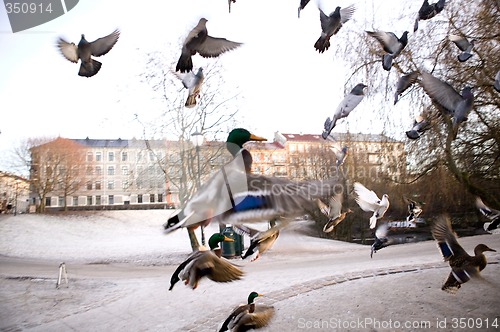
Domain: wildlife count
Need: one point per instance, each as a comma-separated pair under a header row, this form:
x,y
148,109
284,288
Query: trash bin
x,y
231,249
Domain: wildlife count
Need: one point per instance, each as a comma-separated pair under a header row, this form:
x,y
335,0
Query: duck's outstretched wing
x,y
447,239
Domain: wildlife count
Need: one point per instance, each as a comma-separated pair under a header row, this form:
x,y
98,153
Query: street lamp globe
x,y
197,138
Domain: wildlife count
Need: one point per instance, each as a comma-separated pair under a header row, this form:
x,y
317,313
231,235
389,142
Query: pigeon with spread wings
x,y
368,201
331,24
333,211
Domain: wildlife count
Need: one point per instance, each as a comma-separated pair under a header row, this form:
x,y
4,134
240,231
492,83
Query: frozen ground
x,y
119,265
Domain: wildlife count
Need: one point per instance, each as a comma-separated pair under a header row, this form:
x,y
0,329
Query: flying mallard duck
x,y
333,212
368,201
233,195
260,241
207,263
414,209
492,214
463,266
248,316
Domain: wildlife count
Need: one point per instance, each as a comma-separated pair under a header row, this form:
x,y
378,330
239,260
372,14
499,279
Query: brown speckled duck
x,y
333,212
248,316
463,266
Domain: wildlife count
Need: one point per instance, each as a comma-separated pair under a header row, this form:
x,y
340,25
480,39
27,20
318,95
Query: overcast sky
x,y
279,74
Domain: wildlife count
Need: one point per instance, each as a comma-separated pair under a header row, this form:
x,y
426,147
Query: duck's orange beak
x,y
257,138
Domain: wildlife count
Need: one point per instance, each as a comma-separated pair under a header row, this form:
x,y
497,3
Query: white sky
x,y
280,75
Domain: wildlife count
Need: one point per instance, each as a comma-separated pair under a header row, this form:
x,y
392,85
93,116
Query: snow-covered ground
x,y
119,265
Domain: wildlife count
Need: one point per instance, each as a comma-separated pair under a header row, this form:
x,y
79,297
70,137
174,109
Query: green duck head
x,y
217,238
253,296
239,136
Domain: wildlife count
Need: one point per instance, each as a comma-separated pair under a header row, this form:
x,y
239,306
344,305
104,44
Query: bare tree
x,y
212,116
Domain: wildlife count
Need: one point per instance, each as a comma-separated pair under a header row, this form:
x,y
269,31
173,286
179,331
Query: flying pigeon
x,y
341,157
464,45
192,82
448,100
302,5
428,11
493,215
331,24
420,125
391,44
345,107
198,41
414,209
381,239
368,201
496,85
85,50
404,83
463,266
333,211
229,4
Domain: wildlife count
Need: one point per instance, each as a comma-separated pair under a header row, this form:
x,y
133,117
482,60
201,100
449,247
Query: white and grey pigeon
x,y
302,5
381,239
198,41
420,125
404,83
368,201
449,101
345,107
496,85
464,45
491,214
391,44
192,82
85,50
428,11
331,24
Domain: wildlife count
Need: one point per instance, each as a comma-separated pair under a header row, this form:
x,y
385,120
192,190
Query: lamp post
x,y
197,140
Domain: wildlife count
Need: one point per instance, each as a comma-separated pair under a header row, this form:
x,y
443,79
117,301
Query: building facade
x,y
14,193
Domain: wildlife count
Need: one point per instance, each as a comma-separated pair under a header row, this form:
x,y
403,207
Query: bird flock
x,y
235,196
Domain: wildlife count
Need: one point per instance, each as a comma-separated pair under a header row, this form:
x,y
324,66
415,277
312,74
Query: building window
x,y
125,185
124,156
124,170
111,170
89,170
98,200
111,199
160,198
89,200
111,184
111,156
98,156
139,198
98,170
75,200
98,185
48,201
152,198
89,185
90,157
61,201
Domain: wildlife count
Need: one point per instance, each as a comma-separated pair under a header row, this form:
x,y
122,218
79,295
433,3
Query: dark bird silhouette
x,y
302,5
85,50
464,45
198,41
428,11
414,209
449,101
391,44
206,263
496,85
331,24
491,214
229,4
349,103
248,316
192,82
463,266
381,239
404,83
